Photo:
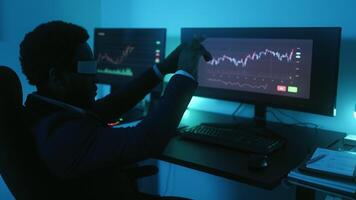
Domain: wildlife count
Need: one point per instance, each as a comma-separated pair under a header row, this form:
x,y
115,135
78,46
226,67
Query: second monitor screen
x,y
124,53
259,65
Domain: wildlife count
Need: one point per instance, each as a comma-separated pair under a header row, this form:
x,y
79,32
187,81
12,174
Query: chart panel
x,y
128,52
270,66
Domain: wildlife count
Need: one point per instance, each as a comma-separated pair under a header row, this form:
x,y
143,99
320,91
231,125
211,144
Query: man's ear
x,y
55,78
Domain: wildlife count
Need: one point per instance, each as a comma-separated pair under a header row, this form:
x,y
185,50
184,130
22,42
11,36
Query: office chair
x,y
23,171
20,167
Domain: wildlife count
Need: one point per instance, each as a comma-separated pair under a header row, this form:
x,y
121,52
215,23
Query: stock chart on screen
x,y
268,66
127,53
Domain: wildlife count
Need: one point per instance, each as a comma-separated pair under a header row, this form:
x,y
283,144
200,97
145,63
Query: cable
x,y
299,123
307,124
289,116
238,108
276,117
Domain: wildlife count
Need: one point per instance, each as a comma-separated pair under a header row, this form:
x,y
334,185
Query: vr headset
x,y
87,67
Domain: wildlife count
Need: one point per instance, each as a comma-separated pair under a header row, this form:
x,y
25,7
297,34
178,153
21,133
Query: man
x,y
69,125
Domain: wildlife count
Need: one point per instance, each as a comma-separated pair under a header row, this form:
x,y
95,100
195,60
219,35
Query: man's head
x,y
49,57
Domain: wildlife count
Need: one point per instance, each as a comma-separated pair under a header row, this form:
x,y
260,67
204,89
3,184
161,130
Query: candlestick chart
x,y
271,66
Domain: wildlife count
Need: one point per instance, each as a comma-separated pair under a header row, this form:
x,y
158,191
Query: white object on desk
x,y
350,140
335,162
346,186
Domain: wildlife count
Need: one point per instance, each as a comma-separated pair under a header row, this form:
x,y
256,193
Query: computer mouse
x,y
257,162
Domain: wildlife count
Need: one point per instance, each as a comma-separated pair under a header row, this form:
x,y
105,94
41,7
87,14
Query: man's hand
x,y
190,55
170,64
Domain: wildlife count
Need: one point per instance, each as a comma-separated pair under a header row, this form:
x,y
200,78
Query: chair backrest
x,y
20,167
11,95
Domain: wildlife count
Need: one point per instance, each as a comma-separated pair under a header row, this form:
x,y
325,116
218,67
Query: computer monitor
x,y
125,53
292,68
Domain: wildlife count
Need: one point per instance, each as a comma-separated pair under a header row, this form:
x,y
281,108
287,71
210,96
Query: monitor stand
x,y
260,120
260,115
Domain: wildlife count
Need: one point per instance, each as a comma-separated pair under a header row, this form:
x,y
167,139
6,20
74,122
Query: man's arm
x,y
149,137
79,146
116,104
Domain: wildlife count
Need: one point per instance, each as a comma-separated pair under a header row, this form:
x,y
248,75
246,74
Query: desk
x,y
232,164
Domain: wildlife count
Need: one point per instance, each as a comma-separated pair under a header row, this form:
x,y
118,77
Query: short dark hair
x,y
52,44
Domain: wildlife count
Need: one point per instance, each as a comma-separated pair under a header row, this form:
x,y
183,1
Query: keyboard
x,y
243,139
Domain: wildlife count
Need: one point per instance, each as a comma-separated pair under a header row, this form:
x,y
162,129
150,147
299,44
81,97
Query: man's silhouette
x,y
69,126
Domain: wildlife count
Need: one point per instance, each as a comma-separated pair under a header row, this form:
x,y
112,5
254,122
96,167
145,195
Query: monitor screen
x,y
293,68
125,53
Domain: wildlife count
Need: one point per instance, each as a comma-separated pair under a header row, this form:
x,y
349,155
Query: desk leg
x,y
303,193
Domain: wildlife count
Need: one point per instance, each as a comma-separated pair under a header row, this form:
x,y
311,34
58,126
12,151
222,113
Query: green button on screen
x,y
292,89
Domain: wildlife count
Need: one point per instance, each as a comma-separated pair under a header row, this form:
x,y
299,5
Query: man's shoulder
x,y
61,117
48,124
43,113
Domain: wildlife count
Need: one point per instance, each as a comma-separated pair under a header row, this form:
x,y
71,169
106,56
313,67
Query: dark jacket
x,y
74,145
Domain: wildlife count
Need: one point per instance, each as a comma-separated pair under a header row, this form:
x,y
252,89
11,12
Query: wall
x,y
18,17
238,13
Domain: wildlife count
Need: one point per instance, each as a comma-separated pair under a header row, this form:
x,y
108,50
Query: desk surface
x,y
232,164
